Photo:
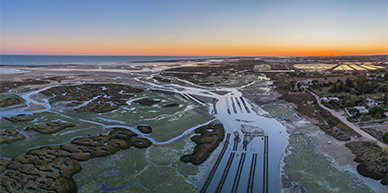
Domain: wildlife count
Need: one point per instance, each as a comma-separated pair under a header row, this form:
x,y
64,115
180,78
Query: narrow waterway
x,y
249,161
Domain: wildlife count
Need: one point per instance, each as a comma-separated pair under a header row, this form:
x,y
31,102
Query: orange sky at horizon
x,y
179,51
170,47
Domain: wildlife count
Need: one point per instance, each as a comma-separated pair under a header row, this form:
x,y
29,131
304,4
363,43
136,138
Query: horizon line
x,y
222,56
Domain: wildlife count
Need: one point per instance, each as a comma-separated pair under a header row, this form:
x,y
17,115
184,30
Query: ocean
x,y
88,60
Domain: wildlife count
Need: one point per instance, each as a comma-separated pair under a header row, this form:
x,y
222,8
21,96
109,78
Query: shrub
x,y
376,111
384,137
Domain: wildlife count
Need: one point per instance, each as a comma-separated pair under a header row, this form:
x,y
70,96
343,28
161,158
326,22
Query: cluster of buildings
x,y
329,60
364,109
327,99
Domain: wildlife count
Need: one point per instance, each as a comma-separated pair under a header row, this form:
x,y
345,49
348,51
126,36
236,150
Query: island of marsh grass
x,y
180,117
10,135
144,128
208,140
166,122
51,127
101,97
8,85
19,118
147,102
11,101
50,168
37,139
216,79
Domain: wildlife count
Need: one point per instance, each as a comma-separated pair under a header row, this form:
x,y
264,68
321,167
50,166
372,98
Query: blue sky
x,y
193,27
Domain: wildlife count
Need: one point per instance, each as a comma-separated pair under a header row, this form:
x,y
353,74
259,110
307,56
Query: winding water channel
x,y
251,152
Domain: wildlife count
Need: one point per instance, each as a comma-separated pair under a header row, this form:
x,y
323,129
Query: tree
x,y
383,88
349,104
333,103
292,84
384,137
338,86
376,112
349,83
354,110
361,81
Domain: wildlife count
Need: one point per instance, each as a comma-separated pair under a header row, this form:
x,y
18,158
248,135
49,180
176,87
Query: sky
x,y
194,27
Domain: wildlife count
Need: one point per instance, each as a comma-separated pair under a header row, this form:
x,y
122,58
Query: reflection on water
x,y
253,148
249,160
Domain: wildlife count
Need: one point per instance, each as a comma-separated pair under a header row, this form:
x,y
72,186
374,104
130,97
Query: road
x,y
365,135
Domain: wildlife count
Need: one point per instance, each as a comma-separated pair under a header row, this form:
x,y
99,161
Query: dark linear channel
x,y
238,173
245,105
252,173
216,164
225,174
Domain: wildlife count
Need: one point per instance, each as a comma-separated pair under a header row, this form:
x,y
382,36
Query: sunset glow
x,y
197,28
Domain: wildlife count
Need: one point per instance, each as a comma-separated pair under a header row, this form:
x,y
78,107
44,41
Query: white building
x,y
362,109
327,99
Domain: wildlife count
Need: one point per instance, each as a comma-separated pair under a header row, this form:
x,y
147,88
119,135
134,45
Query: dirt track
x,y
365,135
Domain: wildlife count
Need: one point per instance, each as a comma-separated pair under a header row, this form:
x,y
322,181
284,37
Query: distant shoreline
x,y
44,60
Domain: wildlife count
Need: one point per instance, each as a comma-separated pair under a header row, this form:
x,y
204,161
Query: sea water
x,y
88,60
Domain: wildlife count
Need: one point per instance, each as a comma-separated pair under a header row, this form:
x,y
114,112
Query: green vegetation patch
x,y
171,105
134,167
379,134
384,137
304,165
50,168
19,118
8,85
10,136
52,127
102,97
10,101
36,139
115,170
144,128
346,128
226,75
148,102
99,105
307,105
208,140
164,179
175,124
372,158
